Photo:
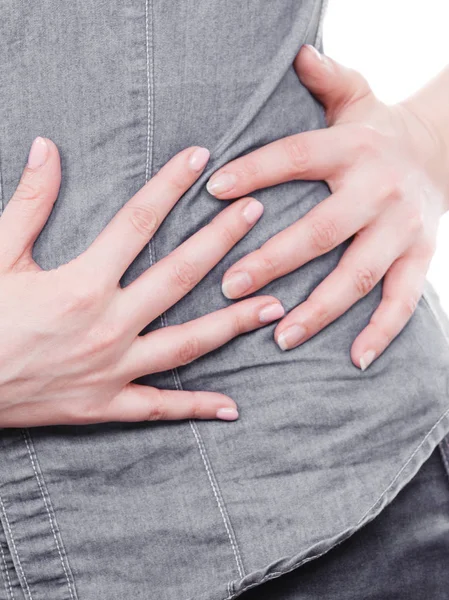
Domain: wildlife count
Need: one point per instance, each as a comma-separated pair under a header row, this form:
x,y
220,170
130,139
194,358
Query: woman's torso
x,y
200,510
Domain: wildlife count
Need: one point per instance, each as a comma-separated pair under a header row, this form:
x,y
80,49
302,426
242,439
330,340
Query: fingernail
x,y
291,337
366,359
38,153
253,211
199,158
227,414
221,184
314,51
271,312
236,284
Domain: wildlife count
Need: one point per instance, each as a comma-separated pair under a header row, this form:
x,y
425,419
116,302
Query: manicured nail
x,y
291,337
253,211
199,158
271,312
38,153
236,284
314,51
366,359
221,184
227,414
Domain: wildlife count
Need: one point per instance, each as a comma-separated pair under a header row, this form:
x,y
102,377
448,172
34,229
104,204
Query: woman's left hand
x,y
386,168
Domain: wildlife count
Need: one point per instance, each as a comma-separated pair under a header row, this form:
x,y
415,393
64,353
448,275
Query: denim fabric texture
x,y
197,509
402,554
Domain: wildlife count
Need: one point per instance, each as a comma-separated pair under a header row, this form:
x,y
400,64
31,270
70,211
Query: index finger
x,y
134,225
315,154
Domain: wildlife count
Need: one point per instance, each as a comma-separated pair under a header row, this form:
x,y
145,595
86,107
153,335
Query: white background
x,y
398,45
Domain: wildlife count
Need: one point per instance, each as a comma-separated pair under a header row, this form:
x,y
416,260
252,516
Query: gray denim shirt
x,y
197,509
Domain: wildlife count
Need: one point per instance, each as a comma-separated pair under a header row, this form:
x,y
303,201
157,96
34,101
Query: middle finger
x,y
323,228
174,276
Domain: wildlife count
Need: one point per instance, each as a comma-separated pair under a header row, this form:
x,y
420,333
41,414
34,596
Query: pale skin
x,y
70,345
387,168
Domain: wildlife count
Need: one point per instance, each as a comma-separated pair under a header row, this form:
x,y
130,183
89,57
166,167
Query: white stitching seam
x,y
8,586
50,513
177,381
150,104
352,529
219,499
19,564
150,69
212,478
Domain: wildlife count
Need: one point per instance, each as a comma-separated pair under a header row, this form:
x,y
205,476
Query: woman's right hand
x,y
69,337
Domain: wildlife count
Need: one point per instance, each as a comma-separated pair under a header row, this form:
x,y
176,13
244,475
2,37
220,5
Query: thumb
x,y
333,84
31,204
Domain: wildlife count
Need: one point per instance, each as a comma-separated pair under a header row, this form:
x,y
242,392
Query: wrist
x,y
426,121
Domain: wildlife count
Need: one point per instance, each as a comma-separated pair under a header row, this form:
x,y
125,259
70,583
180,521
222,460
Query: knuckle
x,y
30,192
179,184
269,266
323,235
80,299
367,140
266,262
82,414
144,219
197,408
189,351
382,331
298,154
414,221
409,304
185,275
100,341
319,311
364,281
91,409
238,324
228,235
249,165
157,410
177,179
390,186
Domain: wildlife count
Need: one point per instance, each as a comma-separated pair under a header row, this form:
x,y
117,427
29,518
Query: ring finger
x,y
137,221
360,268
177,345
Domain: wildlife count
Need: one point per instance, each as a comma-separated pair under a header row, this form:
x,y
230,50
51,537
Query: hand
x,y
69,337
386,170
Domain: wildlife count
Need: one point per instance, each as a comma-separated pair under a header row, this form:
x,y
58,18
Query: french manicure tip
x,y
366,359
314,51
227,413
221,183
291,337
225,291
282,343
210,187
236,284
